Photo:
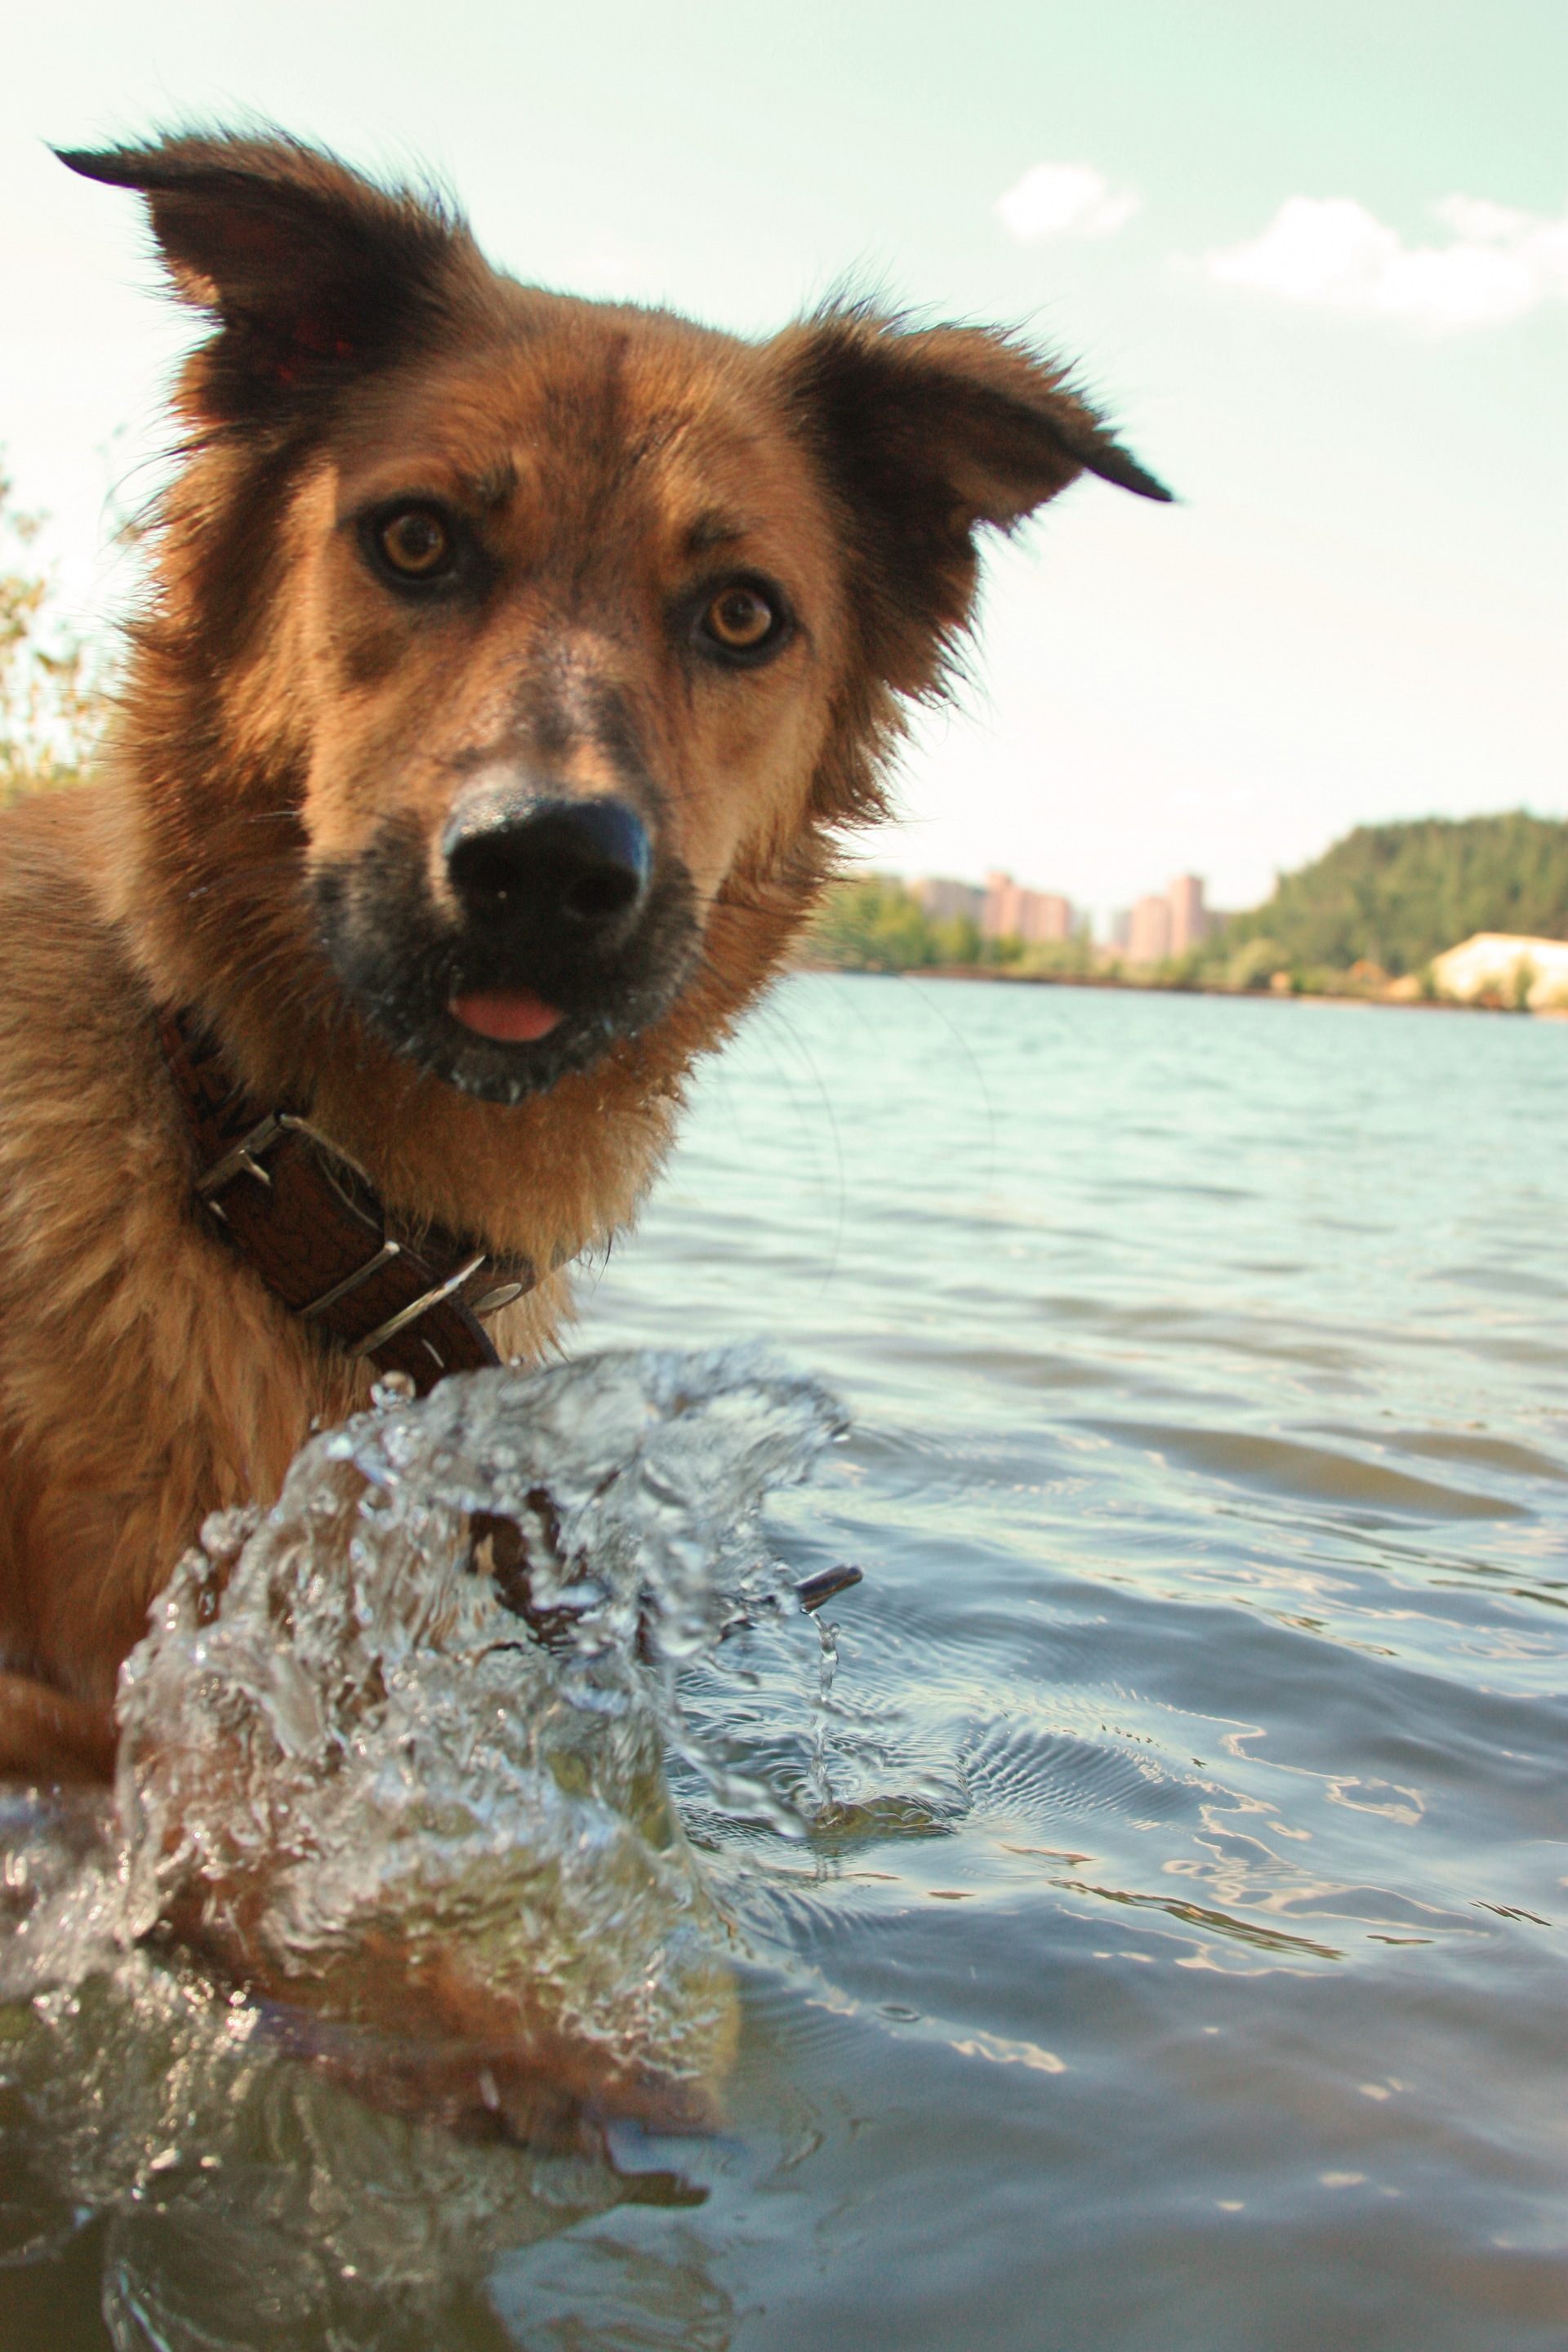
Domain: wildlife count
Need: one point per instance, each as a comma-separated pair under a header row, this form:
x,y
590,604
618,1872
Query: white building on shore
x,y
1498,964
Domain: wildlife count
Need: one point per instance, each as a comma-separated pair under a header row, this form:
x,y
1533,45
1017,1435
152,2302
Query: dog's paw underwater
x,y
392,1760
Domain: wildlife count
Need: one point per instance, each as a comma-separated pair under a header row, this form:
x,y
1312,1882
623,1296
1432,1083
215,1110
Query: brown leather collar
x,y
313,1226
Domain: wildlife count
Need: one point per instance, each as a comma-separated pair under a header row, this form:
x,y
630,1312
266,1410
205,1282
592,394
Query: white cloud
x,y
1332,253
1064,200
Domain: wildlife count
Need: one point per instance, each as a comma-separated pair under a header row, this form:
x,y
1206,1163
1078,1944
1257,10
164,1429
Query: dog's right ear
x,y
926,435
313,273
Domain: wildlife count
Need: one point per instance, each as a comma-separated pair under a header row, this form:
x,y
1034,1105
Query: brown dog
x,y
511,665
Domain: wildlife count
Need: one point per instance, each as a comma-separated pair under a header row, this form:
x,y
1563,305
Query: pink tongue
x,y
514,1017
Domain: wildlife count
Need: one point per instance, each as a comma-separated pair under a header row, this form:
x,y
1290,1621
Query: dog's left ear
x,y
924,435
310,271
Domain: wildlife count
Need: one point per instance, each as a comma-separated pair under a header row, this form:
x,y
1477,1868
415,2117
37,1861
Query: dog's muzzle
x,y
553,924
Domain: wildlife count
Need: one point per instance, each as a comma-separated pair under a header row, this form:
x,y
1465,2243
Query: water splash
x,y
392,1755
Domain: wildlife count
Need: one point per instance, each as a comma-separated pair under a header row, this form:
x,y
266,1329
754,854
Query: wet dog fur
x,y
309,731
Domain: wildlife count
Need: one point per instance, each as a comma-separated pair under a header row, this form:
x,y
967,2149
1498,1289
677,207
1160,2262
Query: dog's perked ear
x,y
924,434
312,271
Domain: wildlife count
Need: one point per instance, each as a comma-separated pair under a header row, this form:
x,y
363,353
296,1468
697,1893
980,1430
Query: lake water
x,y
1178,1964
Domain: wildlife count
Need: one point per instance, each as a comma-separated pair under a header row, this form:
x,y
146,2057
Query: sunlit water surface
x,y
1176,1957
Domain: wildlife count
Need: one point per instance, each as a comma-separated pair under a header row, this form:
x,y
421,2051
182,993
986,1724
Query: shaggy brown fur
x,y
298,727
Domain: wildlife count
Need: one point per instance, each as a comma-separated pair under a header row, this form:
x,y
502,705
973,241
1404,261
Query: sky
x,y
1311,254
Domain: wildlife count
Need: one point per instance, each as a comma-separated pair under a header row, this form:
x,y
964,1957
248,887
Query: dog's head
x,y
554,639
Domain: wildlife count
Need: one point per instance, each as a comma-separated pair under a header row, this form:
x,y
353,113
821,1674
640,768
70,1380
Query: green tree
x,y
870,923
956,940
1069,959
52,698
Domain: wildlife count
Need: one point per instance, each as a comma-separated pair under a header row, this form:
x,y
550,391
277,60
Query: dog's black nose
x,y
547,863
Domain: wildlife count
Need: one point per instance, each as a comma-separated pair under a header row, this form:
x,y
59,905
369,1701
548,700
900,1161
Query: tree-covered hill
x,y
1397,895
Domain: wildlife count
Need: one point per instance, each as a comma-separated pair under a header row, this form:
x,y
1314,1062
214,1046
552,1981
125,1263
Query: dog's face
x,y
567,617
562,635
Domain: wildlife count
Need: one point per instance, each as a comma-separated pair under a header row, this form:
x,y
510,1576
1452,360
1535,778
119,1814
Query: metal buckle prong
x,y
383,1255
241,1161
296,1126
399,1322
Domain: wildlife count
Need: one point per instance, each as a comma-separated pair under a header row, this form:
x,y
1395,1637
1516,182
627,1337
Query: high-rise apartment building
x,y
1161,927
1189,917
1149,931
1011,912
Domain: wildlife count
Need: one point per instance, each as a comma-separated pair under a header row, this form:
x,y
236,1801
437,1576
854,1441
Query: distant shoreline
x,y
1119,982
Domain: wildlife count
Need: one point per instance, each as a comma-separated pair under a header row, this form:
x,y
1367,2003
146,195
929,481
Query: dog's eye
x,y
740,619
416,543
